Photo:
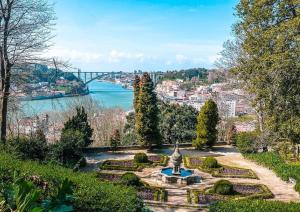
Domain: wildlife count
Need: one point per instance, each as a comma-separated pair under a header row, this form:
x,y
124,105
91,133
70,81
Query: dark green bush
x,y
141,158
33,148
209,163
245,141
223,187
90,194
254,206
130,179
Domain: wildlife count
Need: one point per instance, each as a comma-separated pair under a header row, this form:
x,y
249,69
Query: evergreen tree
x,y
115,140
146,120
136,86
206,128
79,122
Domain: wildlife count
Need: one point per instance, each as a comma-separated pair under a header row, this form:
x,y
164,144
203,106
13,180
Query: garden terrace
x,y
90,194
221,171
241,191
131,165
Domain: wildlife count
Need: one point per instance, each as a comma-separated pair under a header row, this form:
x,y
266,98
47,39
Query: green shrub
x,y
223,187
245,141
130,179
209,163
254,206
33,148
141,158
90,194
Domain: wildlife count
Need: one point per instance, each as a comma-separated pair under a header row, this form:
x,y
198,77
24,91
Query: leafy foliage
x,y
246,141
177,123
89,193
206,128
223,187
130,179
34,147
115,140
141,158
186,74
80,123
146,119
210,162
265,57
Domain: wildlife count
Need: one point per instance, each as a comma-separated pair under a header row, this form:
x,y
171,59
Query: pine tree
x,y
115,140
146,123
206,128
80,123
136,86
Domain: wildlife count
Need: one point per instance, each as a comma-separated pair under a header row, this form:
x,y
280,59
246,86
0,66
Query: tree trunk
x,y
5,106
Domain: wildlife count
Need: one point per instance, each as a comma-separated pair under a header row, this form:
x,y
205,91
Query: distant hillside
x,y
186,74
41,73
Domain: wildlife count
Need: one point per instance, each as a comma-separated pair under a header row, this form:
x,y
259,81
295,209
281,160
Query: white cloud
x,y
116,56
72,54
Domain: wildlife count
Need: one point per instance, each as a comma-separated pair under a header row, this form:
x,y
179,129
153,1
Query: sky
x,y
148,35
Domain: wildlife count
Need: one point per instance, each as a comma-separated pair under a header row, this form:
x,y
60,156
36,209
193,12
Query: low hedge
x,y
216,172
254,206
223,187
90,194
264,194
273,161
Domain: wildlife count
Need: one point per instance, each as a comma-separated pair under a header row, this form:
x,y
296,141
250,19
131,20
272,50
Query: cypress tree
x,y
206,128
80,123
146,124
136,86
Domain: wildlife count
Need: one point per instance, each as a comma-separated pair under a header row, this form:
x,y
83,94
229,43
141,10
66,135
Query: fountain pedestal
x,y
175,174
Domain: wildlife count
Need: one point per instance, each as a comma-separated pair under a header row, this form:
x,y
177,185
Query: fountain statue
x,y
176,174
176,159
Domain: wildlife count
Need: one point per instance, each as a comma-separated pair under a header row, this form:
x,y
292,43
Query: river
x,y
108,94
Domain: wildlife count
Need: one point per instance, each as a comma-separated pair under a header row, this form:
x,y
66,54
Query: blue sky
x,y
126,35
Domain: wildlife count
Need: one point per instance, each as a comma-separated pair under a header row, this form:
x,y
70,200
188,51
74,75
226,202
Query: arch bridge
x,y
90,76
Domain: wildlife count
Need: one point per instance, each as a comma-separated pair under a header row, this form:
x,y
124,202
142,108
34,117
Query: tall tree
x,y
25,31
80,123
207,132
136,86
115,140
267,63
146,120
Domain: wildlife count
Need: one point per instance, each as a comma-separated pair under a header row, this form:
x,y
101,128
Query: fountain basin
x,y
186,176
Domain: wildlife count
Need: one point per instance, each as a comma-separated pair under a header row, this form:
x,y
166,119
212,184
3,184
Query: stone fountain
x,y
176,174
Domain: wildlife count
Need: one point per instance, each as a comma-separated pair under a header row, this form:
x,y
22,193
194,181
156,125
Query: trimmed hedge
x,y
210,162
141,158
90,194
273,161
254,206
223,187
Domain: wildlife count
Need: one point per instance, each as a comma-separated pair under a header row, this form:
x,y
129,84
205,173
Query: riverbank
x,y
107,94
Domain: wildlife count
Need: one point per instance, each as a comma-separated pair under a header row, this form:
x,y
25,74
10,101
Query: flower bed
x,y
242,191
130,165
125,165
222,171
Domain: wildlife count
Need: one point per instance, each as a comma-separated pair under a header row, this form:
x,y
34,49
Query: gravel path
x,y
282,190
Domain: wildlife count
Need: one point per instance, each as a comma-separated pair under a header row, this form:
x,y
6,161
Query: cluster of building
x,y
231,102
44,90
